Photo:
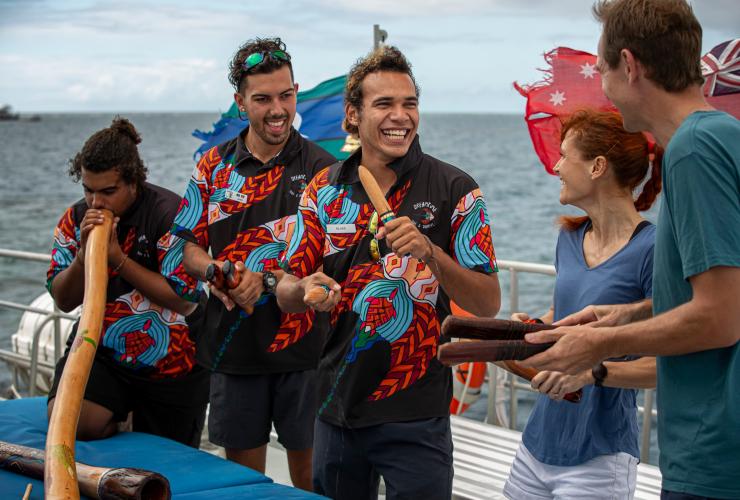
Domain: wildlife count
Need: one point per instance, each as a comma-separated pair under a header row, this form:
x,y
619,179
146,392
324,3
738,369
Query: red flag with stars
x,y
572,83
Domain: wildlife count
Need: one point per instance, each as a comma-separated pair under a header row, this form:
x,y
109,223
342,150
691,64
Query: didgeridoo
x,y
112,483
225,278
60,476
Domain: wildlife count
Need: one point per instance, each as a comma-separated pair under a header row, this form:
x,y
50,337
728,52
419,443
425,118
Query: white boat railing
x,y
514,268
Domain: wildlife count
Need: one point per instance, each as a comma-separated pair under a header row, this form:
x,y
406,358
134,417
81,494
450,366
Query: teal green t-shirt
x,y
698,229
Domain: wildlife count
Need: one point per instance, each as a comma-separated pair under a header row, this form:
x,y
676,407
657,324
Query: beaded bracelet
x,y
120,264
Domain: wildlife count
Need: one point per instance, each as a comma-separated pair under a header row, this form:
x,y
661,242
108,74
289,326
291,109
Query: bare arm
x,y
154,286
68,287
710,320
610,315
476,292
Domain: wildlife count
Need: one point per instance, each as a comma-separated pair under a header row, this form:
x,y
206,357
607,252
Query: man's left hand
x,y
404,238
576,349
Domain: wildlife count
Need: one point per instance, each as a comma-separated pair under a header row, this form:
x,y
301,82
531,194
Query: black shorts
x,y
174,408
244,407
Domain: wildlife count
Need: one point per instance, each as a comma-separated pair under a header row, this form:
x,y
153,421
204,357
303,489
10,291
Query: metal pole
x,y
379,36
647,422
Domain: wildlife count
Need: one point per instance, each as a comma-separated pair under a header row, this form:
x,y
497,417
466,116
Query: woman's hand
x,y
556,384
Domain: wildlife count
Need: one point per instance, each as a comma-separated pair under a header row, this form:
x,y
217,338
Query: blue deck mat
x,y
192,474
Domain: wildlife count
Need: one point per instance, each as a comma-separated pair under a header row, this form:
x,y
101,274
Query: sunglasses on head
x,y
257,58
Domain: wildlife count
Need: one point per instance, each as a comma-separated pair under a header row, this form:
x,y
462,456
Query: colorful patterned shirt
x,y
243,210
137,333
379,364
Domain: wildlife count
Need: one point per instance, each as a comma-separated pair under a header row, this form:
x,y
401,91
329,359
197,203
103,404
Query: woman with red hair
x,y
590,449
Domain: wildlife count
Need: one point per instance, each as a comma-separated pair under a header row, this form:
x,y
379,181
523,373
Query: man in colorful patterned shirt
x,y
145,363
241,204
385,397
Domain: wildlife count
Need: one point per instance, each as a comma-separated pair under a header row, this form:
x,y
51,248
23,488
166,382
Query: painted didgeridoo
x,y
114,483
60,475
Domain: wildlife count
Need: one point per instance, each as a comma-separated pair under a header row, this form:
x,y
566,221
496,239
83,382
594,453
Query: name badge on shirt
x,y
341,229
236,196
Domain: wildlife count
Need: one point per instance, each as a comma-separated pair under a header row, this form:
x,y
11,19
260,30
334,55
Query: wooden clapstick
x,y
488,351
318,293
225,278
60,475
95,482
489,328
377,198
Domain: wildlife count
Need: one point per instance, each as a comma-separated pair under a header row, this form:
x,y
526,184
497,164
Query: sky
x,y
131,55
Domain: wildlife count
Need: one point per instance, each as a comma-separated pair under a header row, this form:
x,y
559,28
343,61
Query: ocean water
x,y
494,149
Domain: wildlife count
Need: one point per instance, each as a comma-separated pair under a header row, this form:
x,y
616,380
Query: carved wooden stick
x,y
489,328
377,198
317,293
95,482
488,351
60,478
225,278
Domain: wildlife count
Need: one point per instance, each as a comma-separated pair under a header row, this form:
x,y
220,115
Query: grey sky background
x,y
134,55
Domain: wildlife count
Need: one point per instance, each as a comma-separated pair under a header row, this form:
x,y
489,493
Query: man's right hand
x,y
329,300
93,217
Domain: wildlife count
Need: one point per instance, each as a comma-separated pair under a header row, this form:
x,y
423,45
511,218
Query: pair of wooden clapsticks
x,y
494,340
225,278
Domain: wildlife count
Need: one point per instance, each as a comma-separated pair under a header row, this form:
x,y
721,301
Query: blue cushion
x,y
192,473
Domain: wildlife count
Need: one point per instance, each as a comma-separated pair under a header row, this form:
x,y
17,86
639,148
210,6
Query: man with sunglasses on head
x,y
385,398
240,204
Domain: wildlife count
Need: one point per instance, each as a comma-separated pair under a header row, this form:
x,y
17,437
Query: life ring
x,y
467,378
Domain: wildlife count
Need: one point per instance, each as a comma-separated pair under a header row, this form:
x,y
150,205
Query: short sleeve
x,y
65,247
706,212
191,221
305,251
471,244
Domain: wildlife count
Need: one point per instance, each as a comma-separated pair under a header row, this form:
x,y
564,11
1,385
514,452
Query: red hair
x,y
629,155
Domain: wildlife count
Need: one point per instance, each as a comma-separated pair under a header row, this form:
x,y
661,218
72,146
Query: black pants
x,y
672,495
174,408
414,458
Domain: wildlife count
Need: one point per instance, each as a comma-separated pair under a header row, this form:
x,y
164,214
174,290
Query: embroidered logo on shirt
x,y
424,215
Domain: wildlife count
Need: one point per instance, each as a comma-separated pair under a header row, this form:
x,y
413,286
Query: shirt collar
x,y
347,172
246,162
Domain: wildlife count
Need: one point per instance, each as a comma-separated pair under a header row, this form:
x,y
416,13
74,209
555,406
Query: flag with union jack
x,y
571,82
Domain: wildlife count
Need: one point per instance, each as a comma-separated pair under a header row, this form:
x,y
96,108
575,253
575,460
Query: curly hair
x,y
629,154
111,148
664,35
384,58
237,73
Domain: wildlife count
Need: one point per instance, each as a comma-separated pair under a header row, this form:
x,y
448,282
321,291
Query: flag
x,y
319,115
571,83
721,69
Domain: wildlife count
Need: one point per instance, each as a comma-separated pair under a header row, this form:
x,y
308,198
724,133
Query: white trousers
x,y
611,477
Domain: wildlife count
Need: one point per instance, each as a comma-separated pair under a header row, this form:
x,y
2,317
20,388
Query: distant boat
x,y
7,115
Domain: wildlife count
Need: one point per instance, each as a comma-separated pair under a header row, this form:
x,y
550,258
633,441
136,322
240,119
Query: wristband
x,y
120,264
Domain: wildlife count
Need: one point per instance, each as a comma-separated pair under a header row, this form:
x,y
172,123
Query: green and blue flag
x,y
319,115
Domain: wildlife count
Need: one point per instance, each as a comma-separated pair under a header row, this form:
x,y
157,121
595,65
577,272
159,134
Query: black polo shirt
x,y
242,209
137,333
379,364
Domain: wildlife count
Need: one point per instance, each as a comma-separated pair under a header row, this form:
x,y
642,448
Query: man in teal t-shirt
x,y
648,59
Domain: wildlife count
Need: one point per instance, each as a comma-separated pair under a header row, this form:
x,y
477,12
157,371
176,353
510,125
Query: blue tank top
x,y
605,421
